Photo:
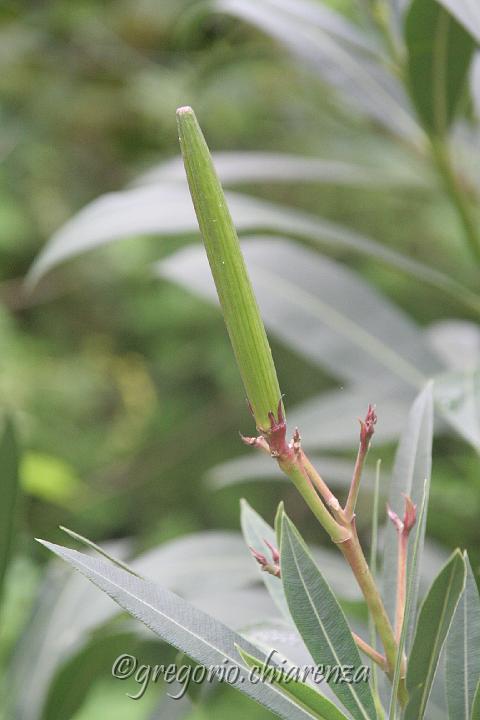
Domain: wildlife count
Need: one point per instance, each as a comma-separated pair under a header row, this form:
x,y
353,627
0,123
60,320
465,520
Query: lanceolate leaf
x,y
439,55
260,167
260,467
412,467
322,309
165,208
476,704
462,671
8,491
457,395
434,621
467,12
299,691
320,620
180,624
358,76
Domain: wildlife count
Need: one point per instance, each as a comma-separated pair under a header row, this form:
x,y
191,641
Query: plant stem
x,y
370,652
292,467
322,487
355,486
401,583
353,553
452,185
367,428
373,570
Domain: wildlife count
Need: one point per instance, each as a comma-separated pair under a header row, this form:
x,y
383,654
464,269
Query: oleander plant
x,y
406,640
350,232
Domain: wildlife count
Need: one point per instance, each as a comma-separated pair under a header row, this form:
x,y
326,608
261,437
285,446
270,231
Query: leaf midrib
x,y
334,653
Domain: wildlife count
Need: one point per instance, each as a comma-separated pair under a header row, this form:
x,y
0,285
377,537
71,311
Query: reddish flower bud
x,y
410,515
395,519
274,551
367,426
271,569
259,557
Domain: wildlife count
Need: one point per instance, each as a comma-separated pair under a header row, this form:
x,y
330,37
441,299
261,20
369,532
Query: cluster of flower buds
x,y
273,568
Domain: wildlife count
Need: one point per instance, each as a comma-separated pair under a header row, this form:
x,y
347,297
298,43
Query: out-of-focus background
x,y
121,384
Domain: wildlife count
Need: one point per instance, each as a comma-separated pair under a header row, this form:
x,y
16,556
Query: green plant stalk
x,y
373,570
378,658
452,186
353,553
355,486
401,584
296,472
239,306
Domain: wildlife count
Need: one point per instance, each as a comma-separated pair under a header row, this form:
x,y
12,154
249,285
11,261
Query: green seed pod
x,y
239,306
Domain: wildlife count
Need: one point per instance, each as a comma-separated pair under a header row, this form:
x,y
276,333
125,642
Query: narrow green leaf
x,y
318,307
439,55
278,522
93,546
166,209
259,167
248,468
182,625
457,396
255,531
413,464
434,621
320,620
9,492
467,12
462,651
234,289
299,691
358,76
476,704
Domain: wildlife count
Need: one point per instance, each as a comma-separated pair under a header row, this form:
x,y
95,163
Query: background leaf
x,y
434,621
467,12
9,492
476,704
462,650
234,168
439,55
358,76
320,308
413,464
